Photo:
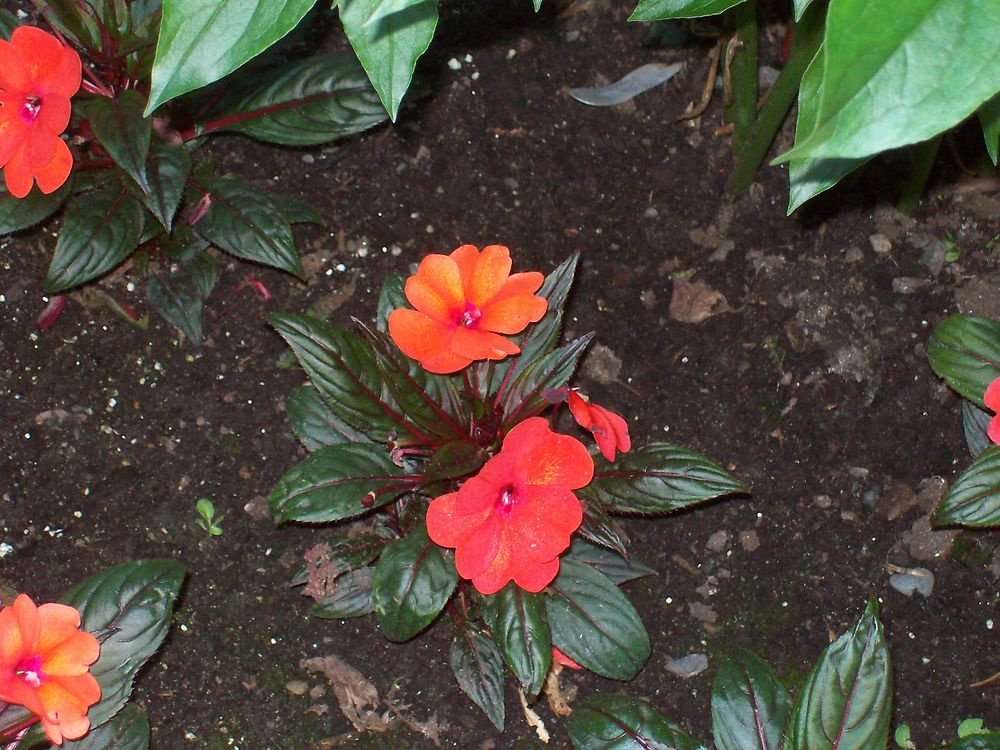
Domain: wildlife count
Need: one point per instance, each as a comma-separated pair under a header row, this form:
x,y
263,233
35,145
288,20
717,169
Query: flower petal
x,y
512,314
544,519
54,113
489,275
425,340
993,430
447,527
465,258
64,78
425,297
545,457
478,547
65,701
13,133
17,173
436,285
15,73
473,343
51,176
41,148
992,396
536,577
45,56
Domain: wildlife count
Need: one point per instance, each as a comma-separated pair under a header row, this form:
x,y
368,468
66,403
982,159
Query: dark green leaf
x,y
20,213
594,624
337,482
800,8
308,102
244,222
750,706
182,243
413,581
315,424
988,741
517,620
73,21
127,730
389,48
454,461
600,528
478,667
975,422
341,365
974,499
391,297
178,299
524,398
8,22
662,10
167,170
204,272
847,699
351,596
965,351
128,608
989,116
612,565
101,230
297,211
659,478
200,41
620,722
124,133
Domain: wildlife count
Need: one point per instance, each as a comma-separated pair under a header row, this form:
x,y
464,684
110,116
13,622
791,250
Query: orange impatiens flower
x,y
463,303
44,661
38,75
609,430
513,519
992,401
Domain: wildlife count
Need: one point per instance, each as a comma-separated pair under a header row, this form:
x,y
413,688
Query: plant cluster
x,y
440,427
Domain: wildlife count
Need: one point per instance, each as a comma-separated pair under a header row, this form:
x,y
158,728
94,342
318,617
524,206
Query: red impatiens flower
x,y
513,519
609,430
44,660
38,75
560,658
992,401
463,302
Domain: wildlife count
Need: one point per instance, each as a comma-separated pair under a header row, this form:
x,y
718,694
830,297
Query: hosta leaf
x,y
517,620
200,41
621,722
965,351
974,499
413,581
478,668
662,10
750,706
989,116
123,132
20,213
307,102
659,478
337,482
127,730
101,229
244,222
167,170
975,423
351,596
846,702
594,624
389,48
889,77
315,424
179,300
341,366
612,565
128,608
524,398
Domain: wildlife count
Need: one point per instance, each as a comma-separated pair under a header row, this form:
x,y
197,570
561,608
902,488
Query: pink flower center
x,y
31,108
506,501
30,670
469,317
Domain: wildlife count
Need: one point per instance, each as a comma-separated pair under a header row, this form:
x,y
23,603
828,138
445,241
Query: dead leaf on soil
x,y
558,697
695,301
533,719
358,698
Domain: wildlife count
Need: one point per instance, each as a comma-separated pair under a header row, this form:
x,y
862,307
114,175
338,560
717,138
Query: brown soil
x,y
813,387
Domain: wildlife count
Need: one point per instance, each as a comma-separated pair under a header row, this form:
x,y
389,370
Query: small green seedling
x,y
902,737
208,520
971,726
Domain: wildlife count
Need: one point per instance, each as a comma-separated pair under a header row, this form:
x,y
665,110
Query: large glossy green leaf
x,y
594,624
525,396
200,41
20,213
600,528
243,221
389,47
341,365
414,579
179,300
337,482
987,741
974,499
846,702
123,132
307,102
621,722
101,229
662,10
315,424
128,608
167,169
965,351
989,116
517,620
616,568
895,75
975,423
750,706
800,7
127,730
659,478
478,668
351,596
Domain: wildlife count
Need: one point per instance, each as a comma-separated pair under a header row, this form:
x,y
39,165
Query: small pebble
x,y
919,580
749,540
688,666
308,158
454,64
718,541
823,501
880,243
297,687
908,284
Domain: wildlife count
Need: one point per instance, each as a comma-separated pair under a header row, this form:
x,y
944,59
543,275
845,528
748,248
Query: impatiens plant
x,y
440,429
965,351
66,669
845,704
